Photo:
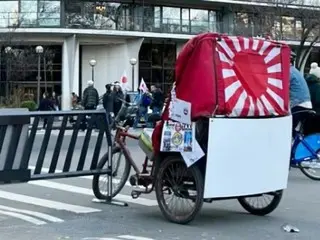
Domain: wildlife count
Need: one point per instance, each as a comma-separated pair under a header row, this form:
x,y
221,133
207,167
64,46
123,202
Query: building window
x,y
156,63
49,13
185,20
28,13
212,21
19,70
199,20
288,28
171,19
9,13
157,17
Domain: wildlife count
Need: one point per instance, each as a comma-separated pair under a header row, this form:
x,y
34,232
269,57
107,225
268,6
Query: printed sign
x,y
177,137
180,111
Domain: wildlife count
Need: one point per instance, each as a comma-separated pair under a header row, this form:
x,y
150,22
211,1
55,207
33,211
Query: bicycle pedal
x,y
135,194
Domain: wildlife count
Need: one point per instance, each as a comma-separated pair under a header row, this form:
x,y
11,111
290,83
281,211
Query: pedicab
x,y
225,133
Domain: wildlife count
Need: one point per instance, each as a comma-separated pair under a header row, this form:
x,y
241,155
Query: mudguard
x,y
302,151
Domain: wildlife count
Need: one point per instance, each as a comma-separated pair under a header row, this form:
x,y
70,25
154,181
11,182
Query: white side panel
x,y
247,156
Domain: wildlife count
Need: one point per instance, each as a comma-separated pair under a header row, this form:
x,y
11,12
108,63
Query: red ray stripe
x,y
228,81
256,110
274,103
260,44
234,99
246,107
276,90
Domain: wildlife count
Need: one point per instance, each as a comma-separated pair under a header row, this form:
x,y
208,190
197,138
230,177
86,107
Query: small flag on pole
x,y
124,81
143,86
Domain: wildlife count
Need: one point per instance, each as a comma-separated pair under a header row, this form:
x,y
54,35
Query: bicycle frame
x,y
120,139
299,139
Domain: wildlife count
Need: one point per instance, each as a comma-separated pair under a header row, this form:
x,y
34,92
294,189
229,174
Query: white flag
x,y
124,82
143,86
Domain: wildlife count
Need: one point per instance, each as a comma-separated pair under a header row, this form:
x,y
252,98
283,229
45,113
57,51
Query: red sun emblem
x,y
252,73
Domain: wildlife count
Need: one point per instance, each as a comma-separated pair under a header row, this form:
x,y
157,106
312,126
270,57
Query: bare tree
x,y
283,20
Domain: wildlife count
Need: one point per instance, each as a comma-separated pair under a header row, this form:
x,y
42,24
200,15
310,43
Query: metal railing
x,y
17,144
143,24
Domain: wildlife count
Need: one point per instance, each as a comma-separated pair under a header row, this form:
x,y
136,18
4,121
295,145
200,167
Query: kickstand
x,y
110,202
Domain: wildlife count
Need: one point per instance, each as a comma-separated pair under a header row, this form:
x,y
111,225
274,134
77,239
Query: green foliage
x,y
31,105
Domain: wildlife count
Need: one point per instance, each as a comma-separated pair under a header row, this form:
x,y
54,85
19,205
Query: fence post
x,y
14,125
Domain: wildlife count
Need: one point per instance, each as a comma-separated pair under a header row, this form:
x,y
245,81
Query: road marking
x,y
46,170
87,191
100,238
32,213
46,203
23,217
129,237
97,238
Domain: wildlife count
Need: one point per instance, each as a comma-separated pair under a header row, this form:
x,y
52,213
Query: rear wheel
x,y
311,168
121,171
175,180
263,204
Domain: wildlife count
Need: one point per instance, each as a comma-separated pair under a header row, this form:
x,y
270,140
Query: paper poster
x,y
177,137
192,157
180,111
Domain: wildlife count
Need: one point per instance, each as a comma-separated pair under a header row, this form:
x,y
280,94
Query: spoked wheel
x,y
263,204
311,168
179,190
121,171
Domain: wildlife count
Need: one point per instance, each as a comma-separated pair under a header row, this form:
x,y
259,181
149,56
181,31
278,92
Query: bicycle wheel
x,y
184,183
255,208
311,168
101,192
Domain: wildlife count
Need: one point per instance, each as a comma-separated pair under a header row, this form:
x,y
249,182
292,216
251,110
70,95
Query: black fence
x,y
17,141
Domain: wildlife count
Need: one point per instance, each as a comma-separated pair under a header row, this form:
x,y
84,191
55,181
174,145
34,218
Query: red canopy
x,y
237,76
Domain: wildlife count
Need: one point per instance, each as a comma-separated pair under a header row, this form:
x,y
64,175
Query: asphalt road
x,y
63,209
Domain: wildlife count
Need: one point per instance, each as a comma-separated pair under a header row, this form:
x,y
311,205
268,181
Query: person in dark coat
x,y
313,81
118,96
108,102
157,99
90,99
45,105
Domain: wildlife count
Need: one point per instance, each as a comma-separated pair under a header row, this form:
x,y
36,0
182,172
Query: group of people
x,y
114,97
304,92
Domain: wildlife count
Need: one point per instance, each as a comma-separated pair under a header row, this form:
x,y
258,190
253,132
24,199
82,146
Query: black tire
x,y
96,179
199,183
306,172
264,210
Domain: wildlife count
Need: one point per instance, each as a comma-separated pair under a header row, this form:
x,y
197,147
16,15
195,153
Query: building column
x,y
70,70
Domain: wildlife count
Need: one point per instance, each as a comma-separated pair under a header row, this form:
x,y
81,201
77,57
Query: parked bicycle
x,y
305,153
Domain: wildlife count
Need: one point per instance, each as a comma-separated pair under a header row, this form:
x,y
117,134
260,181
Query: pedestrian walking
x,y
45,105
90,101
108,102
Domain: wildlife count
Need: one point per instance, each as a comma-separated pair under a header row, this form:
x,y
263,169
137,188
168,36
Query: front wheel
x,y
260,205
120,175
175,180
311,168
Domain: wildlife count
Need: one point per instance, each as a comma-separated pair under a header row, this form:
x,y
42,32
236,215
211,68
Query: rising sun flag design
x,y
252,75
